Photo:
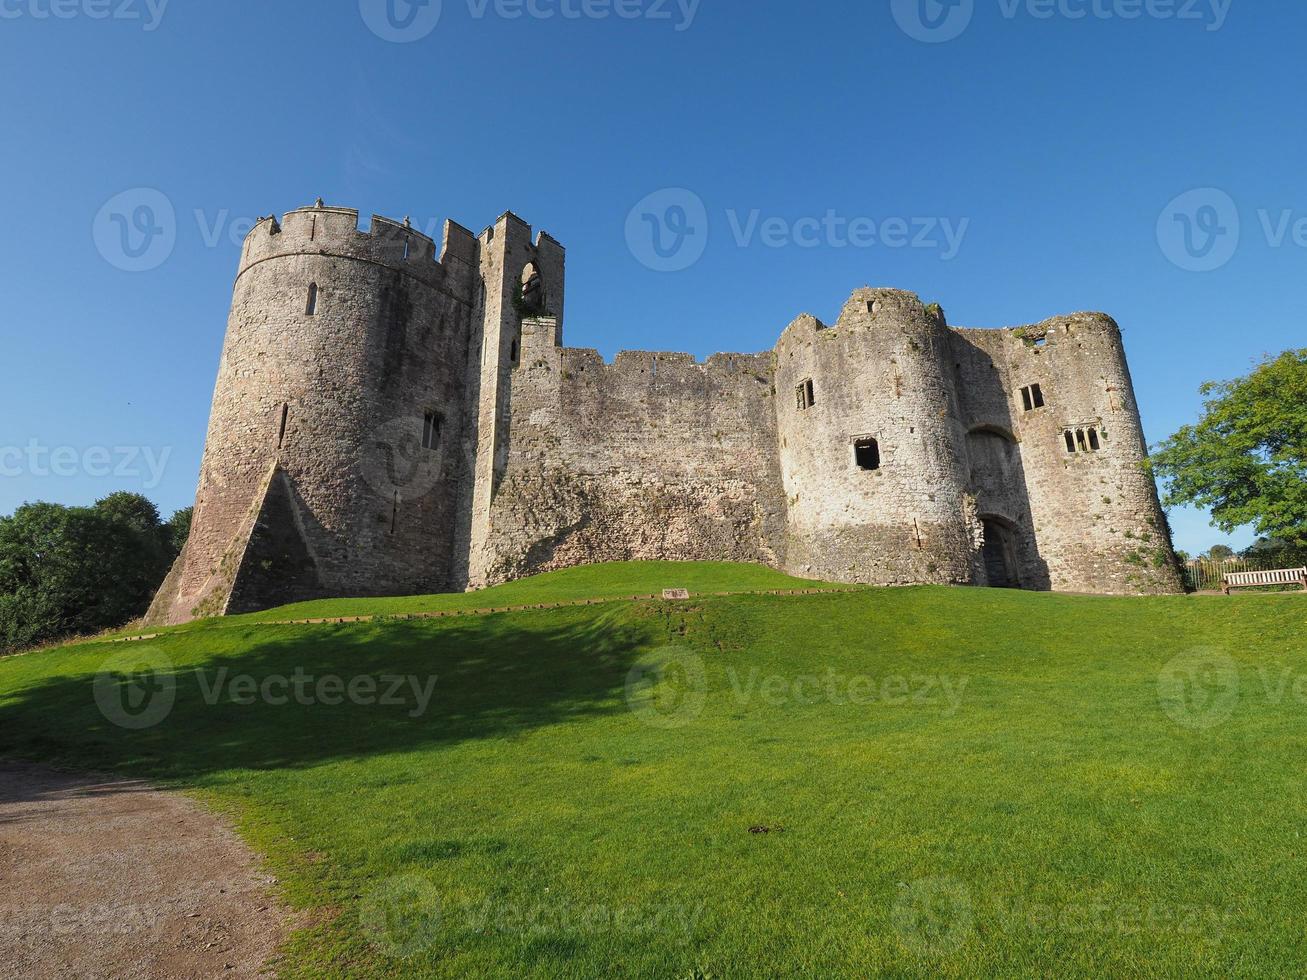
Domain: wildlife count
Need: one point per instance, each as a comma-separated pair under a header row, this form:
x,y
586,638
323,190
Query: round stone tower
x,y
333,462
1093,500
872,451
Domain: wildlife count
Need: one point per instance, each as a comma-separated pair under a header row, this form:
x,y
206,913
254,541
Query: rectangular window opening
x,y
866,453
1032,397
1094,444
1070,441
431,426
1080,441
804,395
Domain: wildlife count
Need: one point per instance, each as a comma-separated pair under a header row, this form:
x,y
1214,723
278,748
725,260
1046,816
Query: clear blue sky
x,y
1059,140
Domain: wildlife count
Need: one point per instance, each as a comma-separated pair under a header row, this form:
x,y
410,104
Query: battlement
x,y
519,228
1049,330
334,231
664,365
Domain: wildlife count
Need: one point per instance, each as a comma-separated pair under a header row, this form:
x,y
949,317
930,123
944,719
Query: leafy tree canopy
x,y
72,570
1245,460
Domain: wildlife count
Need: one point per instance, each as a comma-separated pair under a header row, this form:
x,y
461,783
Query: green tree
x,y
1245,460
71,570
178,529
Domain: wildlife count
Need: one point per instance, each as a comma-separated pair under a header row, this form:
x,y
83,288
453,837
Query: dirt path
x,y
102,877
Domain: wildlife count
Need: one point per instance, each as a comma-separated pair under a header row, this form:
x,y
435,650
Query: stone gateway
x,y
392,421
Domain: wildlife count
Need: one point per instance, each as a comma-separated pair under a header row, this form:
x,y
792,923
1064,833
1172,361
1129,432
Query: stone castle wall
x,y
651,457
413,428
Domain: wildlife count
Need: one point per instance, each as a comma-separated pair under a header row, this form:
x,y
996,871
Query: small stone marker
x,y
670,594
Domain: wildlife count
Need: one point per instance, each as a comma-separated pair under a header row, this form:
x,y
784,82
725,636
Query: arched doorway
x,y
1000,554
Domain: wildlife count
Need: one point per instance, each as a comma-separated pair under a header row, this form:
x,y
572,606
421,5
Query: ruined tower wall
x,y
651,457
506,251
880,373
315,478
985,391
1095,511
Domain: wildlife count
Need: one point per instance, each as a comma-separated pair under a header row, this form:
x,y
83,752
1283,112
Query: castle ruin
x,y
389,421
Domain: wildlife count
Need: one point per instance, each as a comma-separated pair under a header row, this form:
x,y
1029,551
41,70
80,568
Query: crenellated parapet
x,y
334,232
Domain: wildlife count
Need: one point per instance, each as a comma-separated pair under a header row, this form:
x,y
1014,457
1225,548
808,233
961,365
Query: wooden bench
x,y
1250,580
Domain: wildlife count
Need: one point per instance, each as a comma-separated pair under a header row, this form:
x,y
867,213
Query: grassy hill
x,y
918,781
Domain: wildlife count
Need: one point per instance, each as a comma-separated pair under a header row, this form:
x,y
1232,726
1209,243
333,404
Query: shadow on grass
x,y
308,695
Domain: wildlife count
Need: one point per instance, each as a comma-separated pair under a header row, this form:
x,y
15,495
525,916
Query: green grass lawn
x,y
952,782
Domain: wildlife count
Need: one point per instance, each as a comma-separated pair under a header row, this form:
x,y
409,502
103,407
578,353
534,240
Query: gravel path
x,y
103,877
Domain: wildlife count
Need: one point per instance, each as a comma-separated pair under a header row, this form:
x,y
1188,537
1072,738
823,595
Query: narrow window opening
x,y
1032,398
1080,441
285,416
1094,444
1026,402
1037,396
431,426
313,229
406,244
513,351
1070,441
312,306
394,513
805,395
866,453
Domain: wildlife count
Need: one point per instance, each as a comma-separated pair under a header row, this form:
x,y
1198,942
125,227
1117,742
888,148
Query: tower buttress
x,y
510,259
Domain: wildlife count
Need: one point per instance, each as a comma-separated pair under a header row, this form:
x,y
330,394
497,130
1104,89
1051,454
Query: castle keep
x,y
391,421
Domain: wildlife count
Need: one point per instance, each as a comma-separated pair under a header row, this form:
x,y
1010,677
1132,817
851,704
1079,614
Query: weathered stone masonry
x,y
387,420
